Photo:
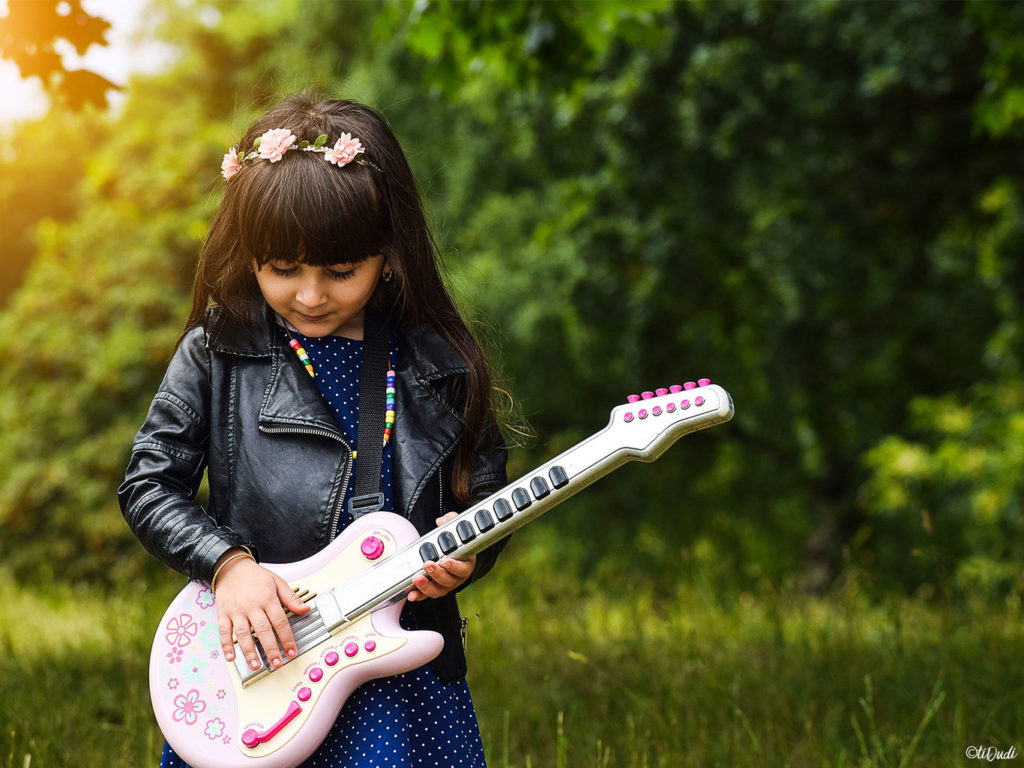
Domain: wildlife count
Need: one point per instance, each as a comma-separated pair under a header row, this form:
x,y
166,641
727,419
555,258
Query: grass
x,y
570,673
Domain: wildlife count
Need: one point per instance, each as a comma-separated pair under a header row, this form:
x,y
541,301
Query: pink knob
x,y
703,382
304,694
685,404
331,659
689,385
698,401
370,646
351,650
627,417
316,674
372,548
675,388
632,398
660,391
656,410
671,407
250,738
646,395
643,413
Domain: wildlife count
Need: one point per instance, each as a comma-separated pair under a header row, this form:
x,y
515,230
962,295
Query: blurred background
x,y
816,204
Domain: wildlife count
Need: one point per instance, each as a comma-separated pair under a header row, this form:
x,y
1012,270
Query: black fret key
x,y
465,530
540,488
429,552
447,542
558,477
521,498
502,510
484,521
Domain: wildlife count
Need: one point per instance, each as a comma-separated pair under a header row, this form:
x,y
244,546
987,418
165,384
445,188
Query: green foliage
x,y
948,496
815,204
786,196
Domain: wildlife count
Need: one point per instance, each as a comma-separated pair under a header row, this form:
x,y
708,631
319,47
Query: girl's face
x,y
320,301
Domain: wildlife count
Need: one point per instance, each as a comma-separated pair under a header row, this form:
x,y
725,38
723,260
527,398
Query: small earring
x,y
387,274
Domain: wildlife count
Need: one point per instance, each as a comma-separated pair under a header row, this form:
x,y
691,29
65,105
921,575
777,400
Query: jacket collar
x,y
431,356
428,425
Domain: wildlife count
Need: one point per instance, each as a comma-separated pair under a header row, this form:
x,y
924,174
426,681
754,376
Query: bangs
x,y
303,208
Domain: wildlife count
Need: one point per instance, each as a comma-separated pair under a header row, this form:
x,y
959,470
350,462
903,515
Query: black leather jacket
x,y
236,403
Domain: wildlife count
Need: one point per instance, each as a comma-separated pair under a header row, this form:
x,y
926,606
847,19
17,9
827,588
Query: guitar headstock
x,y
650,422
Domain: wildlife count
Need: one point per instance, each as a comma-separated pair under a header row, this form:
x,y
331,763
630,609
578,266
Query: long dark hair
x,y
302,208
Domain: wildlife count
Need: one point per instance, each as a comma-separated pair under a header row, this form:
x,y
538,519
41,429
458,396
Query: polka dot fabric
x,y
412,720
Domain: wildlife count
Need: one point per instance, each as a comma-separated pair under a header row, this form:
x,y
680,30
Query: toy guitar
x,y
217,714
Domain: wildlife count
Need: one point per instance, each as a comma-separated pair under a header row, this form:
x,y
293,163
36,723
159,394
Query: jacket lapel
x,y
291,402
427,428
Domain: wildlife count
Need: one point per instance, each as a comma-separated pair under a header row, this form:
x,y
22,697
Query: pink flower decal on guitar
x,y
181,630
174,655
188,707
214,728
205,598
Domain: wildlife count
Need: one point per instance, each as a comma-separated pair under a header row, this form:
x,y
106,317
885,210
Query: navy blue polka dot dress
x,y
411,720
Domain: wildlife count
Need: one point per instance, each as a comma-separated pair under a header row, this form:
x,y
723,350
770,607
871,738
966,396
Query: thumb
x,y
446,518
289,599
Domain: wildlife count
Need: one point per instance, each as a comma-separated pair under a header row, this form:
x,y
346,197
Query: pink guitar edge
x,y
217,714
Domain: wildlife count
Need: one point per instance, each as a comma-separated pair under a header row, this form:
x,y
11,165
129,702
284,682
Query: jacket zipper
x,y
346,475
440,489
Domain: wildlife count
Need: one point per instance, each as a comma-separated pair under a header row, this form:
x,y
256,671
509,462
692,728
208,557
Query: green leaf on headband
x,y
303,144
320,140
256,144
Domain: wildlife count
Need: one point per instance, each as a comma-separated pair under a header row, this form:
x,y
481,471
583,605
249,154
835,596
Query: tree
x,y
29,36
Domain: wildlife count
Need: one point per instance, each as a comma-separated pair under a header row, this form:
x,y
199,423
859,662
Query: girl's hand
x,y
251,598
443,576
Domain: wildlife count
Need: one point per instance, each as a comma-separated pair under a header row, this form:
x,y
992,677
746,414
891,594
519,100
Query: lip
x,y
311,318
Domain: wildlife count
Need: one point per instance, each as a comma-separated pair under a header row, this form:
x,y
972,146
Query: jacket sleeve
x,y
168,459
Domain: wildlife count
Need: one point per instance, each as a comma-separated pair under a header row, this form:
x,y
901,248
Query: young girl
x,y
320,227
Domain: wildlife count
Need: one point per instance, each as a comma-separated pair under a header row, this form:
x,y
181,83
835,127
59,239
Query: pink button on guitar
x,y
372,548
304,694
316,674
331,659
351,650
370,646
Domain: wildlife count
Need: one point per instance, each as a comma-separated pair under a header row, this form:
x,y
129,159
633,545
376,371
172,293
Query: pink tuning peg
x,y
675,388
646,395
703,382
690,385
660,391
632,398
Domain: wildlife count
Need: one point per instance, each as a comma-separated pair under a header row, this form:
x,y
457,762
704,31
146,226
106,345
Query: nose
x,y
311,291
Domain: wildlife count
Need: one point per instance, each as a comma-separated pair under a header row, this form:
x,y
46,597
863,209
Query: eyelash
x,y
331,273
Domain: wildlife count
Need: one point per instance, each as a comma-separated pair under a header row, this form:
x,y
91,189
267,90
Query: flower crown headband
x,y
274,143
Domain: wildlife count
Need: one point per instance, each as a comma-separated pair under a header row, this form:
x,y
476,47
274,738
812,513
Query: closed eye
x,y
283,271
338,274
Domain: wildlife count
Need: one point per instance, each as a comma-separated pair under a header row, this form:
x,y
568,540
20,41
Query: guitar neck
x,y
638,431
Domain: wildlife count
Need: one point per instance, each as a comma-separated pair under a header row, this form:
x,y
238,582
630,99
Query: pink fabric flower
x,y
230,165
344,151
274,143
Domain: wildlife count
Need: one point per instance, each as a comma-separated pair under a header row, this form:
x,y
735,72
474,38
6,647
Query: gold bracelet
x,y
216,573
